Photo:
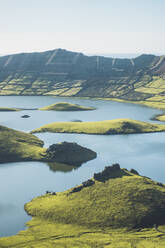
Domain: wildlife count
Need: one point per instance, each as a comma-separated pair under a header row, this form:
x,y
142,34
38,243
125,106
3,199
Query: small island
x,y
64,106
61,106
69,153
108,127
116,207
25,116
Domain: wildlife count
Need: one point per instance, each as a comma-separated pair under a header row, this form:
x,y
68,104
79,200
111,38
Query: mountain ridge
x,y
60,72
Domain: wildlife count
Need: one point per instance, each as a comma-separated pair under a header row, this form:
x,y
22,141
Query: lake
x,y
20,182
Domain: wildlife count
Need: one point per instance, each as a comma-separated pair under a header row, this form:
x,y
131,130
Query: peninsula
x,y
20,146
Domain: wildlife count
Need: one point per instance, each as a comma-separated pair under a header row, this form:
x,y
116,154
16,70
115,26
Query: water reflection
x,y
61,167
105,110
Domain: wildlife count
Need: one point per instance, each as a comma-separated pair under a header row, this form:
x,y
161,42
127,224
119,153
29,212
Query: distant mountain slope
x,y
64,73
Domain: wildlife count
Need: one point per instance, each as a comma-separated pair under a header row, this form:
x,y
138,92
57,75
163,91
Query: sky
x,y
88,26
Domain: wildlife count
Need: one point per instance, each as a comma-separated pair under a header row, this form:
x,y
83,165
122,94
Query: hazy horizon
x,y
104,27
108,55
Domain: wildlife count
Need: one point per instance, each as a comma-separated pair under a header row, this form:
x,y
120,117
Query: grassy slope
x,y
101,215
64,106
147,91
19,146
117,126
155,89
127,200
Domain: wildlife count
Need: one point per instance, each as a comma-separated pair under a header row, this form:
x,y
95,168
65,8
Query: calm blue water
x,y
106,110
20,182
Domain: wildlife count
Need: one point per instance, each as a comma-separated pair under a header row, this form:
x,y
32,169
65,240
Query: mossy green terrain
x,y
42,233
117,126
64,106
19,146
122,210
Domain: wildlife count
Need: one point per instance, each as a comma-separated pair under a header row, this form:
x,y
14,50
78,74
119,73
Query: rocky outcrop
x,y
134,171
69,153
113,171
85,184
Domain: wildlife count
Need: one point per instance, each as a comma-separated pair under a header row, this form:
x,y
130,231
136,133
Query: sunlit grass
x,y
64,106
117,126
19,146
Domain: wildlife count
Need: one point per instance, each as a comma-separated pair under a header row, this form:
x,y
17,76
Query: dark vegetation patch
x,y
85,184
69,153
131,126
113,171
134,171
25,116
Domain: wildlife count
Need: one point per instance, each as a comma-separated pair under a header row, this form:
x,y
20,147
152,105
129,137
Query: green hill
x,y
117,126
64,106
115,209
19,146
114,198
